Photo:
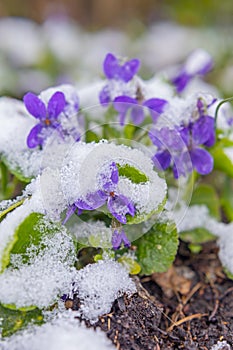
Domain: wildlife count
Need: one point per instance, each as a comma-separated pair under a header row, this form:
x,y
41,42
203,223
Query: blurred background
x,y
100,13
48,42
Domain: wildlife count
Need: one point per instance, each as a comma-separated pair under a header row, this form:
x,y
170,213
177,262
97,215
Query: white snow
x,y
221,345
45,277
98,285
196,61
63,333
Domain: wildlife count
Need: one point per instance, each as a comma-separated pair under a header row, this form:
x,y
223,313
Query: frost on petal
x,y
118,238
119,206
56,104
202,161
35,137
92,201
104,96
35,106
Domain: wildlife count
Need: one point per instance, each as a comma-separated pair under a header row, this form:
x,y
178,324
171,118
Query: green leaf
x,y
227,198
206,194
129,130
29,232
14,320
91,136
135,175
197,235
157,249
142,217
221,160
131,265
16,171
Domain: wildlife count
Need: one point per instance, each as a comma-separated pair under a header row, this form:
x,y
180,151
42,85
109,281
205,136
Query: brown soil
x,y
189,307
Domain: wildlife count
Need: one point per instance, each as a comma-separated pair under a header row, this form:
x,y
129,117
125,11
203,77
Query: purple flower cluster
x,y
118,204
124,103
182,147
198,63
114,70
118,238
48,116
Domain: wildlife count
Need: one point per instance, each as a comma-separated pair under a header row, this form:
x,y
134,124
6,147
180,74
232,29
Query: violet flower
x,y
114,70
182,149
46,115
118,238
118,204
123,104
199,63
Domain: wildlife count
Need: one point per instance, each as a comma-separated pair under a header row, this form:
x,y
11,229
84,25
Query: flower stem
x,y
218,107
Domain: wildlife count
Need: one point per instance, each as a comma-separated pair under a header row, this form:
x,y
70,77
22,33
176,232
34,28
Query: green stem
x,y
218,107
4,178
11,207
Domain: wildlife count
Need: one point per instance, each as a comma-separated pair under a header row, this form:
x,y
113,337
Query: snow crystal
x,y
64,333
98,285
47,274
94,233
16,125
221,345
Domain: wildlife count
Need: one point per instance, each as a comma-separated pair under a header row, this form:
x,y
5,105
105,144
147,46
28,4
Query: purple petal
x,y
119,206
129,69
181,165
181,81
70,211
111,66
203,131
92,201
162,160
122,104
104,96
35,137
154,135
35,106
202,161
115,174
156,104
137,115
118,238
56,104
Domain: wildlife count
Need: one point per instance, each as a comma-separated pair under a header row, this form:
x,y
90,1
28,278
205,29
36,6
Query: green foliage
x,y
156,249
29,232
197,235
135,175
14,320
221,160
206,194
